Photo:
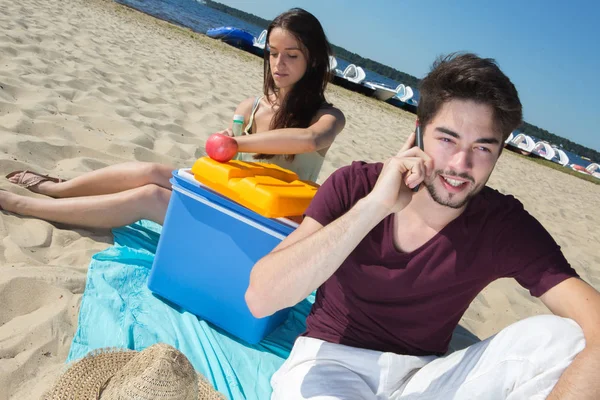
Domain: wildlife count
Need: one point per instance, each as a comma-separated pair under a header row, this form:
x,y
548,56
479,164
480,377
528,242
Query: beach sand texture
x,y
86,84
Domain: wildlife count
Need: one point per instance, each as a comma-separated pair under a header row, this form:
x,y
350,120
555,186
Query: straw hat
x,y
158,372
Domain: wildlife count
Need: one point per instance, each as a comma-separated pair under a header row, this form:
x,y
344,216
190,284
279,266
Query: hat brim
x,y
85,377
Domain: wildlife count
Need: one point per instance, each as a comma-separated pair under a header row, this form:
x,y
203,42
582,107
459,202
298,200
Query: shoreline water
x,y
199,17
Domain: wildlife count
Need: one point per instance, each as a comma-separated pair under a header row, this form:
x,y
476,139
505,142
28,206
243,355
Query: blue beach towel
x,y
118,310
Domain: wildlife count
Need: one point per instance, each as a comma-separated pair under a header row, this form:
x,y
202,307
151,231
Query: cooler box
x,y
209,244
267,189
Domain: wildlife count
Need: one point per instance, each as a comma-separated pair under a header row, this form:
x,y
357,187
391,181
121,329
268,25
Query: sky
x,y
549,49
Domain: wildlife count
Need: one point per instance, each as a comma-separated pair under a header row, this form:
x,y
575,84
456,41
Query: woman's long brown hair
x,y
306,98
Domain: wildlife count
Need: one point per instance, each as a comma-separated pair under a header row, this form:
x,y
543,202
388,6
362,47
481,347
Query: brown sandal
x,y
33,179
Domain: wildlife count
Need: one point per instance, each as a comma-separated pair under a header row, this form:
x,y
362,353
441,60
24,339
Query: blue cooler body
x,y
206,251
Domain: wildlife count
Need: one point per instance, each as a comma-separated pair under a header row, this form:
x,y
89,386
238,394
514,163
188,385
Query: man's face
x,y
464,146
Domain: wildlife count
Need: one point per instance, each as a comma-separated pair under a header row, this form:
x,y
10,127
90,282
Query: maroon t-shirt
x,y
410,303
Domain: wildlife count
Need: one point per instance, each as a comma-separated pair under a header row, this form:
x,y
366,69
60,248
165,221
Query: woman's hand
x,y
226,132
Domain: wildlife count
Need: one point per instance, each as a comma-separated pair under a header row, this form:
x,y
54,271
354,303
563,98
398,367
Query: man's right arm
x,y
312,253
307,258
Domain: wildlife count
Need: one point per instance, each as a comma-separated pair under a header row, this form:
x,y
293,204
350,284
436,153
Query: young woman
x,y
291,125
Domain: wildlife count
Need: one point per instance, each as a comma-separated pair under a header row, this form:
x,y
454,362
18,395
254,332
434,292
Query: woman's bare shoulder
x,y
245,107
246,104
329,109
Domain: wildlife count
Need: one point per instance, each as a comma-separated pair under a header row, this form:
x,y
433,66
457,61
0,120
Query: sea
x,y
195,15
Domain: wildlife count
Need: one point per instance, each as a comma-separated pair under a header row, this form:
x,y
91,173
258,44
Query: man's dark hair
x,y
465,76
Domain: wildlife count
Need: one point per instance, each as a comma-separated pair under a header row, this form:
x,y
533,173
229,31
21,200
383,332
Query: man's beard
x,y
450,201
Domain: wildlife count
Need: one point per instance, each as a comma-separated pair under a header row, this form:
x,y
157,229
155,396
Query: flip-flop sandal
x,y
33,179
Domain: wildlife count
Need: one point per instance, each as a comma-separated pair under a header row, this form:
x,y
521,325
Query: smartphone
x,y
418,143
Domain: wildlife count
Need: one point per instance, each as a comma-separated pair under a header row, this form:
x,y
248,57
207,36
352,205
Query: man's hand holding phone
x,y
419,144
401,174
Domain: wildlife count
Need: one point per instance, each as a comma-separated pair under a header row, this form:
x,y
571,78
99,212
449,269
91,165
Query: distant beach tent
x,y
543,150
523,143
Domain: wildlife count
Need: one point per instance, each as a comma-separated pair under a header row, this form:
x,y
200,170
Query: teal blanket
x,y
118,310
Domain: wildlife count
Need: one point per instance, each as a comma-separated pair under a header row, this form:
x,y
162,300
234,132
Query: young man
x,y
396,269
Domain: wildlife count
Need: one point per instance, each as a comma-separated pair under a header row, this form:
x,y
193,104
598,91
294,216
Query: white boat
x,y
560,157
406,98
593,169
354,74
523,143
261,41
403,93
350,78
509,138
333,67
544,150
580,169
407,94
414,99
381,91
400,91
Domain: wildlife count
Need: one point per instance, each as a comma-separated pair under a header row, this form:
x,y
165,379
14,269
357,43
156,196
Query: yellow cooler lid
x,y
266,189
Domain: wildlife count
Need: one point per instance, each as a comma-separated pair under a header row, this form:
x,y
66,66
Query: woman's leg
x,y
112,179
103,211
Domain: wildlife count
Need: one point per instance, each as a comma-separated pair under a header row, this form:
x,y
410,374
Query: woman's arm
x,y
319,136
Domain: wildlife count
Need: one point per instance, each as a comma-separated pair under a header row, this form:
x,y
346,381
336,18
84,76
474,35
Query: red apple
x,y
221,148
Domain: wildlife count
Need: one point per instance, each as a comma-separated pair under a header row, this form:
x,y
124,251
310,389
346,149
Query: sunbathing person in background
x,y
291,125
395,269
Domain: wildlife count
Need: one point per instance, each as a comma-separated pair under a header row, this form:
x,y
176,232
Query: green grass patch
x,y
558,167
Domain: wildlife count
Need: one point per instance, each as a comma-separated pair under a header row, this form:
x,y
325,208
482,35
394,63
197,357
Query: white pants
x,y
523,361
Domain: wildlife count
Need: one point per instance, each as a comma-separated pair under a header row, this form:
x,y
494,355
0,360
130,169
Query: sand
x,y
86,84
